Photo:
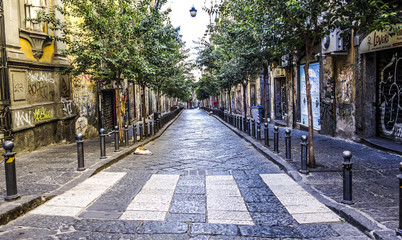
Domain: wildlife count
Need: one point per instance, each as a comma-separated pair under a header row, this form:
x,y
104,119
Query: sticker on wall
x,y
81,125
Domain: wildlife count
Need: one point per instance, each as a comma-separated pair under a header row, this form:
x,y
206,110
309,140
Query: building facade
x,y
38,102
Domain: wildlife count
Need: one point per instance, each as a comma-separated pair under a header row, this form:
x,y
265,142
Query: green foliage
x,y
207,86
112,40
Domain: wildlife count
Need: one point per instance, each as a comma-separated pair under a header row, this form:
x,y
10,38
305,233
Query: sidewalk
x,y
50,171
375,185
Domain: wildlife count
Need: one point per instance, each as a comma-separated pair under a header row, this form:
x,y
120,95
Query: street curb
x,y
20,207
357,218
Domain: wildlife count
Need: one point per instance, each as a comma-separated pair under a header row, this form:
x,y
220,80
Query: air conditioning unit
x,y
285,61
334,44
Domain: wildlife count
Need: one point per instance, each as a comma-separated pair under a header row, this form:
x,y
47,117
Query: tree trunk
x,y
230,100
265,93
119,110
245,100
309,108
144,114
158,100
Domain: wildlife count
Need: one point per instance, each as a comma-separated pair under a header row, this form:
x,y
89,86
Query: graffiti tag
x,y
42,113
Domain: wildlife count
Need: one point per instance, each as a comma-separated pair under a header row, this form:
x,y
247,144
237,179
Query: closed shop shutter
x,y
108,109
389,97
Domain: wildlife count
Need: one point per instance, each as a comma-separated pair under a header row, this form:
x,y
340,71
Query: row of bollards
x,y
346,163
148,130
9,155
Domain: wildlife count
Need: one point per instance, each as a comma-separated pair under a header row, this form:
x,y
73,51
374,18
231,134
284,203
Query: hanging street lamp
x,y
193,11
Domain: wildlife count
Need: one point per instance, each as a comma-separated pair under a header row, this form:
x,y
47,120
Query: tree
x,y
302,24
96,34
112,40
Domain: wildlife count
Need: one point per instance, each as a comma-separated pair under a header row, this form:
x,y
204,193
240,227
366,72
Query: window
x,y
31,8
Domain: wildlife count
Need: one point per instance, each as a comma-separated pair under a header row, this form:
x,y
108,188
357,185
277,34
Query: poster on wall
x,y
314,76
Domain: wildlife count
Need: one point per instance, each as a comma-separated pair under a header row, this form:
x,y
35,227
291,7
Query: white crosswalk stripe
x,y
224,202
72,202
303,207
153,201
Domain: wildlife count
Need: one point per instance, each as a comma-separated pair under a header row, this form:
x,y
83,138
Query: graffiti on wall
x,y
345,78
40,85
68,107
81,125
27,118
390,94
328,94
22,118
42,113
124,103
84,95
65,87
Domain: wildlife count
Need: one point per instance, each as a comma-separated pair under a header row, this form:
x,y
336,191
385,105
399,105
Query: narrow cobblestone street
x,y
202,182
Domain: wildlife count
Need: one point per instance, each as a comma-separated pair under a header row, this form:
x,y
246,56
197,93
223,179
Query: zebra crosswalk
x,y
223,201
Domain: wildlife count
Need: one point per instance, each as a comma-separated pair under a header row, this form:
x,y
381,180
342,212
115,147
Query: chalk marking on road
x,y
303,207
74,201
225,204
153,201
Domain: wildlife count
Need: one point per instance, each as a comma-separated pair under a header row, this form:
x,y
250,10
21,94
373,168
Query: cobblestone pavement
x,y
202,182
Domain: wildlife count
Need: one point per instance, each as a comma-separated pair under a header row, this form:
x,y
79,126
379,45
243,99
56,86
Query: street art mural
x,y
314,75
389,98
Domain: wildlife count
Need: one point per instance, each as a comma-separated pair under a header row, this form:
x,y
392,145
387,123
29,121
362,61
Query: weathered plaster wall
x,y
328,97
85,99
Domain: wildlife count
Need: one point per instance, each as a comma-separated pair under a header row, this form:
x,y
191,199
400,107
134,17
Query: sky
x,y
191,28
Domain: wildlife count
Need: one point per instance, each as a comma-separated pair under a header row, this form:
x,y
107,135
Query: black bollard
x,y
266,134
126,136
80,153
288,145
102,137
399,229
241,123
347,177
276,139
11,176
141,132
116,139
248,126
245,124
235,121
253,126
134,133
303,155
146,129
258,131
